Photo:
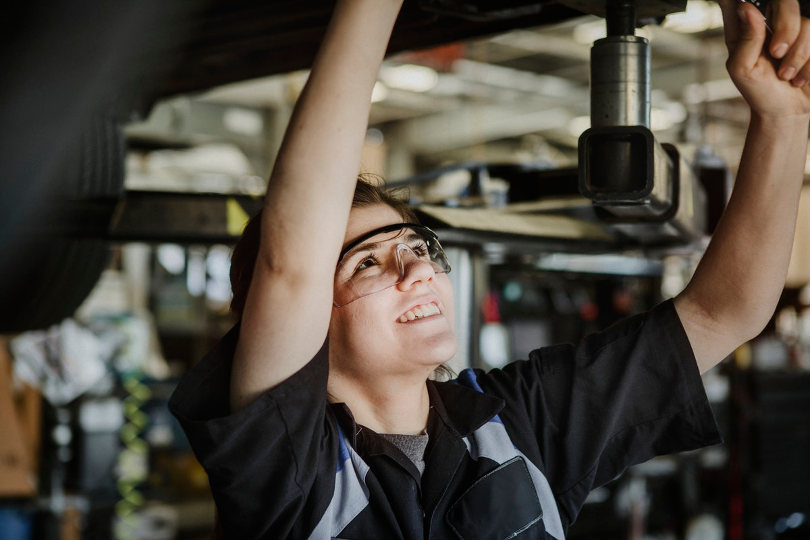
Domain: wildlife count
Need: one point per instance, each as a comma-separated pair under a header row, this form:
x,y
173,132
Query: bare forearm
x,y
739,280
306,210
314,176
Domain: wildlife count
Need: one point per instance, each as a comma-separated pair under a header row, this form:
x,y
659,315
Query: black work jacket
x,y
511,452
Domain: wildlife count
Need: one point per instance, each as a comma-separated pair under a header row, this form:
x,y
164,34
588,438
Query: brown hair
x,y
369,191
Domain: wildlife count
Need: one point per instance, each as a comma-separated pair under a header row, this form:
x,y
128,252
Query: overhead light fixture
x,y
699,16
410,77
243,121
620,265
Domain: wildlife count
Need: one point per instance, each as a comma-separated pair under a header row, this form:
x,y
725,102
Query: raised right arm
x,y
306,209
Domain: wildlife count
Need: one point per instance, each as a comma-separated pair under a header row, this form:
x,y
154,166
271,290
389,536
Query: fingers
x,y
746,38
795,66
790,42
731,22
786,21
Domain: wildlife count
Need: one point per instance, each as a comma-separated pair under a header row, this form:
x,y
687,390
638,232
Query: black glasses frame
x,y
387,228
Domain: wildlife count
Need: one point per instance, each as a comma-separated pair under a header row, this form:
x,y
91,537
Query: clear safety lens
x,y
381,258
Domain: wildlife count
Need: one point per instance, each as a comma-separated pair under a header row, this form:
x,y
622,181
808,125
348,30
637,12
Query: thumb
x,y
750,38
731,23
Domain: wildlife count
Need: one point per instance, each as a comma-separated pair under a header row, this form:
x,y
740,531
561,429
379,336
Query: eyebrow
x,y
371,246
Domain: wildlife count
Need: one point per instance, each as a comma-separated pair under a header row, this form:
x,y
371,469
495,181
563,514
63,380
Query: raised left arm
x,y
739,280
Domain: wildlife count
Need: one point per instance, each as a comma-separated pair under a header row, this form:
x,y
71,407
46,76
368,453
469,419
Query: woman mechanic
x,y
308,437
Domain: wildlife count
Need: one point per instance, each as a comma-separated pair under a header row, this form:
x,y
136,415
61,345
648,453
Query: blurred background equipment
x,y
138,142
75,72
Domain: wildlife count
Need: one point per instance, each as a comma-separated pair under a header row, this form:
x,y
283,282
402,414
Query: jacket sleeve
x,y
271,464
621,397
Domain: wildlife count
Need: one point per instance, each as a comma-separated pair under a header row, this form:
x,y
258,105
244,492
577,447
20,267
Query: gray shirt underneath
x,y
412,446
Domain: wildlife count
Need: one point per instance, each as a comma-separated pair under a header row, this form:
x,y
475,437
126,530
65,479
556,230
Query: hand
x,y
774,81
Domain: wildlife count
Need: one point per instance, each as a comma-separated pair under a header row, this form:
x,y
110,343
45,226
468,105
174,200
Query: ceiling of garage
x,y
519,95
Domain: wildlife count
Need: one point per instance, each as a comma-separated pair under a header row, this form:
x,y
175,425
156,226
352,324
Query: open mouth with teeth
x,y
420,312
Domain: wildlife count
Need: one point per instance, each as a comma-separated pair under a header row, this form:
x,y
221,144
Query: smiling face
x,y
406,328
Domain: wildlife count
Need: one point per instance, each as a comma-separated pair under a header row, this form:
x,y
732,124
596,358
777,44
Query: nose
x,y
413,268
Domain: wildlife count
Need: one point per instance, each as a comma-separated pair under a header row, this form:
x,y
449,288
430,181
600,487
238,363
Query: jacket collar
x,y
461,408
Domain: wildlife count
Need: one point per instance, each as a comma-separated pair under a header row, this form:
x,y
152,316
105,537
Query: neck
x,y
391,405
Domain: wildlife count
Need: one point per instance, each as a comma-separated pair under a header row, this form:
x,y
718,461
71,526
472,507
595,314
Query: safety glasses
x,y
380,259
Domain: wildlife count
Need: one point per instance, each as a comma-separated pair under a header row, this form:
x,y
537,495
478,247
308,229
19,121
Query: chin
x,y
436,350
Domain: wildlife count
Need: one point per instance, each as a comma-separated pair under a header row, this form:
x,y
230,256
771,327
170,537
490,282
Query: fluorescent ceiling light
x,y
243,121
622,265
699,16
410,77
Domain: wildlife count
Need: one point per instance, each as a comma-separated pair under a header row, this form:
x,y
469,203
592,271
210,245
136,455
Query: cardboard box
x,y
19,434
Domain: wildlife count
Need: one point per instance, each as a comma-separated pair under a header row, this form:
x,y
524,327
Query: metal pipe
x,y
620,16
620,82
